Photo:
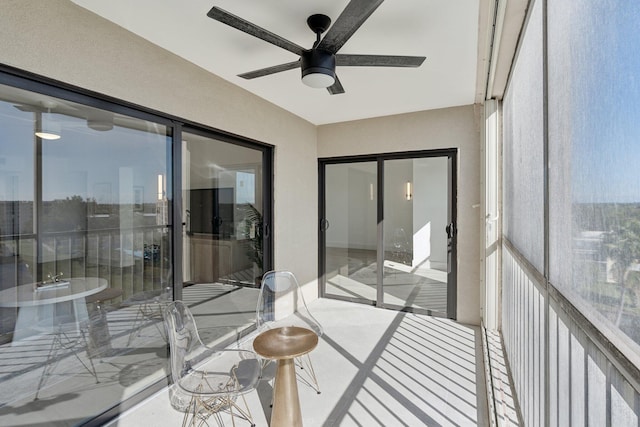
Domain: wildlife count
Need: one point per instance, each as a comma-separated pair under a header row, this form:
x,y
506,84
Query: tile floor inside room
x,y
376,367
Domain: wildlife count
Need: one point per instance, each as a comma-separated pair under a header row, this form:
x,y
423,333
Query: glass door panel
x,y
350,225
222,238
85,255
416,215
387,231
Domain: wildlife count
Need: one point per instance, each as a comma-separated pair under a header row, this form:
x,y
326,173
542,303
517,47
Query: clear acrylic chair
x,y
67,324
149,306
401,246
213,379
281,303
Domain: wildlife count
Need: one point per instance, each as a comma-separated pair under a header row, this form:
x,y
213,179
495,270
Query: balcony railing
x,y
135,261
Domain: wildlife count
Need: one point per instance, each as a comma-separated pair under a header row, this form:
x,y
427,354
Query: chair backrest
x,y
281,303
184,341
400,241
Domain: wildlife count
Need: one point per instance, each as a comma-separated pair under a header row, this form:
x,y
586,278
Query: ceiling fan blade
x,y
351,18
39,107
336,88
348,60
252,29
270,70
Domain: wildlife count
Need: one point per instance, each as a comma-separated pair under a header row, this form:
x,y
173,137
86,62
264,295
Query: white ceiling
x,y
445,31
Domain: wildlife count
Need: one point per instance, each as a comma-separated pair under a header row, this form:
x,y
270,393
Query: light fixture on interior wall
x,y
160,187
407,193
49,129
371,192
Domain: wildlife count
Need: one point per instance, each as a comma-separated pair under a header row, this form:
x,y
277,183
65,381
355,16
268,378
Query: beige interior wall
x,y
59,40
446,128
62,41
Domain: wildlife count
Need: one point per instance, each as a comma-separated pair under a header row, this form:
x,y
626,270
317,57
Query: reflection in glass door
x,y
222,238
85,254
350,230
416,216
395,212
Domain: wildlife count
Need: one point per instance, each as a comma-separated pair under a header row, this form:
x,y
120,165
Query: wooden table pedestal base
x,y
286,404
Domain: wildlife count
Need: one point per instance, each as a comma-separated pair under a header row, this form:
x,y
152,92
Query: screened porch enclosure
x,y
571,208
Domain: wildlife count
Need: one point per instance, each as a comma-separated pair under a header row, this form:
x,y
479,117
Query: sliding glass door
x,y
85,256
350,231
222,232
387,231
107,213
416,253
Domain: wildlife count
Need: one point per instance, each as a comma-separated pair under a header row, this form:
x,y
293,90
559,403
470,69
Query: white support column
x,y
491,213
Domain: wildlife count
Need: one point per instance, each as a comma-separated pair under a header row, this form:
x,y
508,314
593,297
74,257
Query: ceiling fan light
x,y
48,135
318,80
49,129
318,68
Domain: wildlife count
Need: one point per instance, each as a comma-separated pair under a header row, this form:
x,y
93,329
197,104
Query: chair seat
x,y
213,378
204,382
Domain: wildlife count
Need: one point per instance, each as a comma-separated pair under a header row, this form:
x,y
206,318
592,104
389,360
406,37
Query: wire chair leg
x,y
68,344
304,362
47,367
187,412
86,345
138,323
242,413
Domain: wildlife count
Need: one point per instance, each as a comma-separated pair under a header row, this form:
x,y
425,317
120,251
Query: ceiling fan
x,y
70,116
319,63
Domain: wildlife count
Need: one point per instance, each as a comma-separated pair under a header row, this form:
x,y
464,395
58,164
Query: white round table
x,y
38,304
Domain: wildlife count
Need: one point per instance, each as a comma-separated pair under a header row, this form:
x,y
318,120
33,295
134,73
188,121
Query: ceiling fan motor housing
x,y
317,61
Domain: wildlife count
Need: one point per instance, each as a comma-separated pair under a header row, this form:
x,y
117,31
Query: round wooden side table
x,y
284,344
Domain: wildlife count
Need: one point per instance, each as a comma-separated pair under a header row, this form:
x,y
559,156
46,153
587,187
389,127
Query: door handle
x,y
451,230
492,218
324,225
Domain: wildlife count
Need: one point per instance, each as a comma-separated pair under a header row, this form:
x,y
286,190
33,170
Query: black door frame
x,y
21,79
451,154
267,193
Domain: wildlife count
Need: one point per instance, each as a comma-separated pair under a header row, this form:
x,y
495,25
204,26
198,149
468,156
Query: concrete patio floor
x,y
376,368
